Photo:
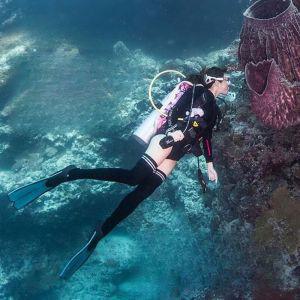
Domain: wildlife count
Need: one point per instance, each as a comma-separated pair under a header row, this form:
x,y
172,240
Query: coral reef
x,y
269,51
259,168
278,228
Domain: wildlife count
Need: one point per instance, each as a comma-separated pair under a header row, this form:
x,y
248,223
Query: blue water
x,y
161,28
67,97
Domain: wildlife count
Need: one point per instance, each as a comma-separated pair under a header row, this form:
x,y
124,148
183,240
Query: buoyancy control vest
x,y
159,121
156,120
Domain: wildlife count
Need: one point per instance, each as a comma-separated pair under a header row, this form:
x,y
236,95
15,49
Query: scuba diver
x,y
190,121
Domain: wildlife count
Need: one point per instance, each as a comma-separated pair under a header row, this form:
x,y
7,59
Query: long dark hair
x,y
199,78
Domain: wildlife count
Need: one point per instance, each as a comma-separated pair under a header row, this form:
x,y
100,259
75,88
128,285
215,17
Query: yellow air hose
x,y
151,85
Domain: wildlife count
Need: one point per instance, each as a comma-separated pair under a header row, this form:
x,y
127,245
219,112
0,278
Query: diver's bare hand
x,y
177,135
212,174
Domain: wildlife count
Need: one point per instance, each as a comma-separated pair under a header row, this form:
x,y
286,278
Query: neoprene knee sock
x,y
132,200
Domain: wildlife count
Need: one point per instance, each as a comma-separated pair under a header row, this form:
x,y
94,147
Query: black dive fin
x,y
28,193
80,257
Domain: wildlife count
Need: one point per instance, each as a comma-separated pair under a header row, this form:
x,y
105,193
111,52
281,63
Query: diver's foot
x,y
81,256
59,177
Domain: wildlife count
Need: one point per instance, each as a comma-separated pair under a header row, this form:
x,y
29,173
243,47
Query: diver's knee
x,y
134,178
143,168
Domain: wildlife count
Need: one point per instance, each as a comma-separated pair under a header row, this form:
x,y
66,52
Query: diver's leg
x,y
153,157
155,151
132,200
24,195
143,168
167,166
125,208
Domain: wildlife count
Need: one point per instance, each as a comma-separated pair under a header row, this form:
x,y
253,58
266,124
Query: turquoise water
x,y
69,95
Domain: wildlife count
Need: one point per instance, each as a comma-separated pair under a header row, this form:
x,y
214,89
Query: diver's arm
x,y
209,112
207,148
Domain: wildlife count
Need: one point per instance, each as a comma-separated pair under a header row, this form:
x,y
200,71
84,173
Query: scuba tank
x,y
158,117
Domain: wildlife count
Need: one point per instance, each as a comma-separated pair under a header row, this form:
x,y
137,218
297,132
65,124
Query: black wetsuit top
x,y
204,99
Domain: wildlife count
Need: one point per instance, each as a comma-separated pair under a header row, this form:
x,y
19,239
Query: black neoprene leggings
x,y
144,174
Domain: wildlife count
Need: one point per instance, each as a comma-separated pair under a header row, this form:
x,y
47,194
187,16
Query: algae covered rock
x,y
279,227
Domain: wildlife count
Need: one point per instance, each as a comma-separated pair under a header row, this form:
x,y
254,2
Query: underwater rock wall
x,y
260,173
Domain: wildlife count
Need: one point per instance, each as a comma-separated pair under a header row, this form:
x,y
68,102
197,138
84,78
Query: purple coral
x,y
269,51
273,98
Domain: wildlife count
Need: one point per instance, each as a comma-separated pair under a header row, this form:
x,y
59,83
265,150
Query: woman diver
x,y
192,119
